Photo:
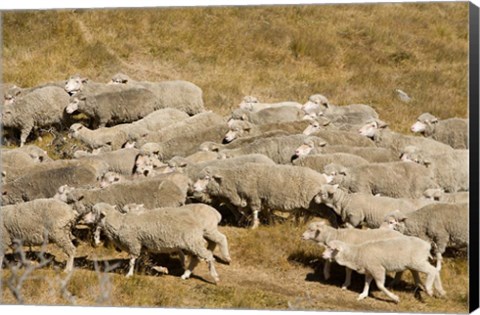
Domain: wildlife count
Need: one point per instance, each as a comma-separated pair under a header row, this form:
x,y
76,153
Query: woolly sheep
x,y
375,258
260,186
240,129
269,115
280,149
184,144
43,180
168,190
77,83
392,179
12,92
345,122
160,118
383,137
170,231
445,224
27,155
39,222
321,233
41,108
339,137
318,162
107,179
121,161
115,105
114,137
371,154
319,105
440,195
449,169
252,104
358,208
451,131
187,127
182,95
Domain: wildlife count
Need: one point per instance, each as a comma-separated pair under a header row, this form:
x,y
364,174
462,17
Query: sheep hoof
x,y
216,280
160,269
344,287
442,293
361,297
396,299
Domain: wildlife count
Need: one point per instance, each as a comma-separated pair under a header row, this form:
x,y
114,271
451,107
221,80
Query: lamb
x,y
260,186
382,137
280,149
375,258
451,131
440,195
393,179
113,137
319,105
269,115
187,128
39,109
114,105
39,222
170,232
168,190
359,208
318,162
371,154
322,234
182,95
43,180
239,129
445,224
252,104
449,169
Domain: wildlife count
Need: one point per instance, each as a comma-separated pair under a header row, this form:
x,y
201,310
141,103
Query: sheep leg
x,y
24,133
193,263
326,269
438,284
439,247
396,280
366,287
348,278
96,235
68,248
181,255
200,252
215,237
431,272
379,277
439,257
131,265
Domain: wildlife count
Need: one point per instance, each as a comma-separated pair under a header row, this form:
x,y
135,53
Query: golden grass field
x,y
350,53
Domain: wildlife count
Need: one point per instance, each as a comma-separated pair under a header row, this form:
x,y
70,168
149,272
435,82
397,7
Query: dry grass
x,y
350,53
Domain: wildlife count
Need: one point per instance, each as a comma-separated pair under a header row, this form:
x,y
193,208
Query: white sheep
x,y
375,258
391,179
241,129
438,194
451,131
154,231
269,115
445,224
252,104
179,94
321,233
261,187
39,222
358,208
39,109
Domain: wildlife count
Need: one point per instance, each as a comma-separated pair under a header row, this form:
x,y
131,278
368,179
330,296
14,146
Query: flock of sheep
x,y
160,172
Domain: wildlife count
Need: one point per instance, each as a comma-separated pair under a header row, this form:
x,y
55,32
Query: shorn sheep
x,y
376,258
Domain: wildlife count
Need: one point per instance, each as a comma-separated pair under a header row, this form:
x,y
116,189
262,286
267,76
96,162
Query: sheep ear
x,y
244,117
217,177
427,163
322,144
84,79
343,172
381,124
82,97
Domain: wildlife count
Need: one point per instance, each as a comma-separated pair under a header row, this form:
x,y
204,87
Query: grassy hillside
x,y
350,53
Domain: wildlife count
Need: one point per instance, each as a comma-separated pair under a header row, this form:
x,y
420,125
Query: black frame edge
x,y
474,156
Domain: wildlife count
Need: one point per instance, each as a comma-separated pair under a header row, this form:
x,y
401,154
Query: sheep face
x,y
433,194
313,127
238,128
119,78
75,104
371,129
304,149
317,104
313,231
326,194
8,115
74,130
335,173
74,84
418,127
110,178
247,102
200,186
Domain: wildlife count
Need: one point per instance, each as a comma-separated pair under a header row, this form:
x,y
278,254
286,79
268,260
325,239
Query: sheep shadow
x,y
145,266
32,258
